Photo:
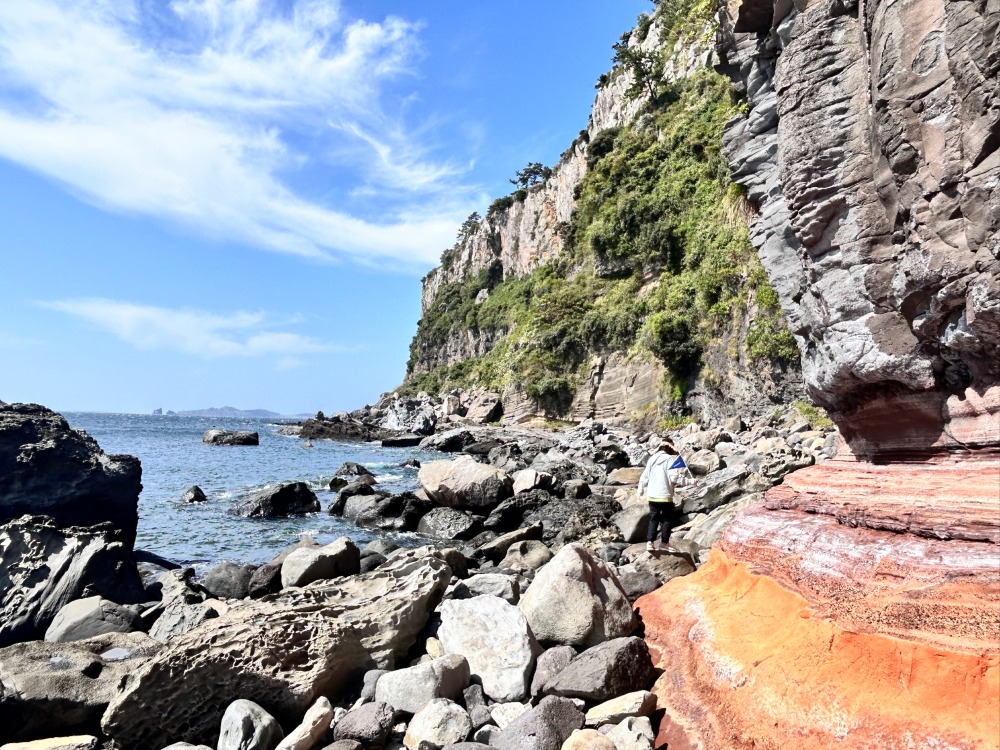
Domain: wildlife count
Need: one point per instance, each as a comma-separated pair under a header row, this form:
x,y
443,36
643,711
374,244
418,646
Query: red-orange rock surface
x,y
858,606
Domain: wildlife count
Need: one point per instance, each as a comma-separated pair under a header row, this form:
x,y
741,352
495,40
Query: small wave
x,y
389,477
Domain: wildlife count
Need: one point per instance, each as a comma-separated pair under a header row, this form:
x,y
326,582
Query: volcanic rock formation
x,y
857,604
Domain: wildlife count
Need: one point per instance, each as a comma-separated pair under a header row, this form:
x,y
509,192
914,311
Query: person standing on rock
x,y
664,471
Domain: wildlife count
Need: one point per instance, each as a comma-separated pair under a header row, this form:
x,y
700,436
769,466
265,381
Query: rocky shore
x,y
513,627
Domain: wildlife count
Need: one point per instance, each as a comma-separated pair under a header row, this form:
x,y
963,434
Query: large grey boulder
x,y
527,555
439,723
280,653
179,617
407,690
46,567
52,689
369,724
464,483
47,468
494,636
714,490
550,663
507,587
247,726
194,494
608,670
575,600
227,580
632,521
340,557
230,437
545,727
285,500
450,524
89,617
450,441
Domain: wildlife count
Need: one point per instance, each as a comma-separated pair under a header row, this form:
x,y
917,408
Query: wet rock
x,y
194,494
400,512
403,440
230,437
286,500
46,567
576,600
246,726
493,636
409,689
353,469
613,668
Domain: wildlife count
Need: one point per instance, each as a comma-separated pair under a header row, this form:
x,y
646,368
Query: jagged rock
x,y
342,427
715,489
227,581
315,724
632,522
286,500
638,703
180,617
545,727
475,704
303,566
371,562
550,663
464,483
440,722
449,523
247,726
496,549
46,567
281,653
575,489
634,733
590,524
703,462
194,494
506,587
450,441
495,639
53,688
48,468
369,724
636,582
576,600
527,555
414,416
484,408
513,512
352,469
93,616
587,739
504,714
529,479
400,512
612,668
230,437
410,689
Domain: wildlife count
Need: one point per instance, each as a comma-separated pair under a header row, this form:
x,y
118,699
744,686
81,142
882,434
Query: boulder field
x,y
857,604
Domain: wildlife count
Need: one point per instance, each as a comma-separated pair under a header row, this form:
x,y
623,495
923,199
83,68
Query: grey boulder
x,y
292,499
368,724
551,662
545,727
247,726
86,618
449,523
438,723
227,580
407,690
608,670
230,437
464,483
194,494
494,637
303,566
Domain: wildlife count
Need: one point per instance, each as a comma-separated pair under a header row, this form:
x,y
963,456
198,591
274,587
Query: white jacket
x,y
658,480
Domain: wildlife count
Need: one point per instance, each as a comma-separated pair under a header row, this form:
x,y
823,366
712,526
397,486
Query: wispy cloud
x,y
200,112
195,332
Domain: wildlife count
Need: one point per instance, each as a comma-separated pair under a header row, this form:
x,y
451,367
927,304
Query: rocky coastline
x,y
513,626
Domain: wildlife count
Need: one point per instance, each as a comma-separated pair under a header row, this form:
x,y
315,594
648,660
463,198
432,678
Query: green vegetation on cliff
x,y
656,259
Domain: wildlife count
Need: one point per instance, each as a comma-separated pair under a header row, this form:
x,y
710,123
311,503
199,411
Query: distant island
x,y
221,411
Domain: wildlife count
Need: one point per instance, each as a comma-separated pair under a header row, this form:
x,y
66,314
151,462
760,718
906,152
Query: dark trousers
x,y
664,515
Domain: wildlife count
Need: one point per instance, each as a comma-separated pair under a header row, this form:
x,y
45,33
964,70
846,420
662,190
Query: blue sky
x,y
231,202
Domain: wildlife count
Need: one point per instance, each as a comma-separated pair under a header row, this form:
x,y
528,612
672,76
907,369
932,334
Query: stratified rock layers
x,y
857,606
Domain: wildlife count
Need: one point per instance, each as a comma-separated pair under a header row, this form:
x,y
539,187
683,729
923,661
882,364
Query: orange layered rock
x,y
830,616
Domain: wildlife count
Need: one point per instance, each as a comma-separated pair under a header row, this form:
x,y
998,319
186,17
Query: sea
x,y
174,458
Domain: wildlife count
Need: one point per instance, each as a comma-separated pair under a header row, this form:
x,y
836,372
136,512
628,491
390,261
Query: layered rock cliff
x,y
659,318
858,605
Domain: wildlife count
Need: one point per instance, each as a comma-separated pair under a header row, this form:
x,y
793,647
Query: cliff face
x,y
856,606
539,228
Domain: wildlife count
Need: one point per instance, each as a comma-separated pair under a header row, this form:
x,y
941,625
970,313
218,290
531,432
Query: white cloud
x,y
198,111
196,332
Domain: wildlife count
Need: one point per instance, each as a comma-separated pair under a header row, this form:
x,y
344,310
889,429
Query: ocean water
x,y
174,458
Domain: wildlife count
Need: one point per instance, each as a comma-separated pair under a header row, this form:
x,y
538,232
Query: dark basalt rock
x,y
48,468
403,440
339,428
287,500
352,469
194,494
